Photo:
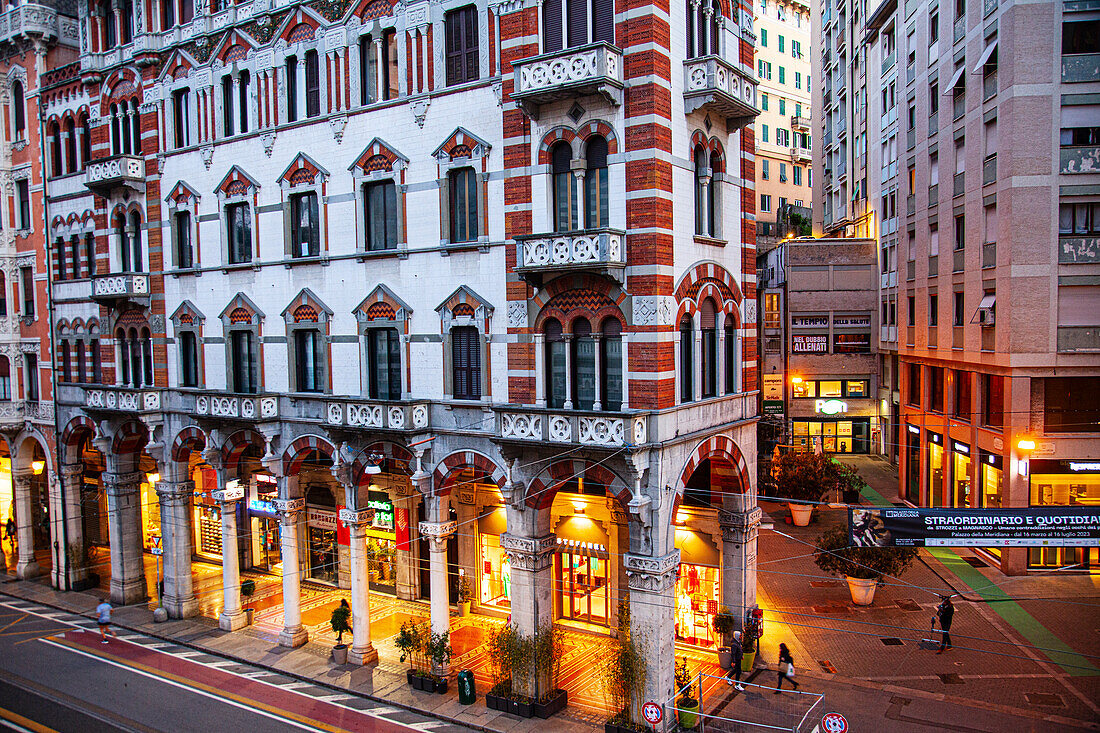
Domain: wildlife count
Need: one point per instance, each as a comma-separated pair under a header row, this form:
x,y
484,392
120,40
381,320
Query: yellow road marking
x,y
24,722
216,691
36,631
47,635
13,623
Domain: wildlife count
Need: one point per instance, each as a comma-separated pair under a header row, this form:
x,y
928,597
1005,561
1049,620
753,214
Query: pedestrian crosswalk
x,y
286,682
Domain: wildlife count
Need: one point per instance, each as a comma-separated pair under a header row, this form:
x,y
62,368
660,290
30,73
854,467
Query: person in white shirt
x,y
104,621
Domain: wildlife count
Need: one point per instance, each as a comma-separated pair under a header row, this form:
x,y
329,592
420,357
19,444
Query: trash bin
x,y
467,693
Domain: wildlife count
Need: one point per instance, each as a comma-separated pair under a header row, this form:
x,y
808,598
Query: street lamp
x,y
374,463
38,467
1025,446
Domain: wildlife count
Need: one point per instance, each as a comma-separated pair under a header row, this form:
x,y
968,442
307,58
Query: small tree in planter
x,y
863,567
410,640
465,596
724,623
624,675
439,653
687,707
851,484
340,621
748,643
804,477
248,587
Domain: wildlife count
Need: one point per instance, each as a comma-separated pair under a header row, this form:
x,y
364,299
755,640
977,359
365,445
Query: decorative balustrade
x,y
800,122
800,154
713,83
123,286
120,171
122,399
611,430
379,415
11,414
239,407
603,250
593,69
34,21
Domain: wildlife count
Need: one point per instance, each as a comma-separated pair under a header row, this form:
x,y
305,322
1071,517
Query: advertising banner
x,y
810,344
921,527
773,394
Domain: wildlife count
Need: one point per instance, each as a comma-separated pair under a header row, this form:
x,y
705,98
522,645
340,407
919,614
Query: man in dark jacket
x,y
734,675
944,613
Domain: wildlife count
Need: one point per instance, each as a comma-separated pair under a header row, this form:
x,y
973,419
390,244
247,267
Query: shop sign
x,y
923,527
810,321
830,407
321,518
960,447
864,320
401,528
773,387
262,506
852,343
1086,466
810,344
383,510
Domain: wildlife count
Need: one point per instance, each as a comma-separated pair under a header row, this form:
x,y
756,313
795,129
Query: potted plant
x,y
724,624
624,675
862,567
687,707
803,479
340,621
410,641
851,484
748,644
248,587
439,654
465,596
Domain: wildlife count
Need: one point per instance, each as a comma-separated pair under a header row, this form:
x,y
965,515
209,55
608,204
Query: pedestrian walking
x,y
9,532
944,613
786,668
733,677
104,621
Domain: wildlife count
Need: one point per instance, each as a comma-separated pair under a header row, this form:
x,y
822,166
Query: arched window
x,y
135,126
85,141
126,12
97,369
123,356
107,18
242,98
89,254
189,359
19,110
59,246
81,371
595,183
54,135
5,378
730,355
713,199
565,202
135,358
687,387
584,365
66,362
709,367
116,131
134,231
611,361
701,190
70,145
556,364
147,357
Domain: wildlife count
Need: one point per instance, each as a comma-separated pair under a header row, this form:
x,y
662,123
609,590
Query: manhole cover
x,y
908,604
1045,698
824,583
827,666
891,641
830,609
974,562
951,678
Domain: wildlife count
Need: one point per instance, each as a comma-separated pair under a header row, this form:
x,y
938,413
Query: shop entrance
x,y
324,562
580,574
699,587
425,560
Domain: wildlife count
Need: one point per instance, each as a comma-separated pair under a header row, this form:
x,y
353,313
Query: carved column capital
x,y
175,493
529,553
652,574
437,533
121,483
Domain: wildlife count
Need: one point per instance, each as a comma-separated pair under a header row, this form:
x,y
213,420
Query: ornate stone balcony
x,y
11,414
122,399
398,416
598,250
110,174
800,122
38,22
237,407
593,69
593,429
800,154
714,84
111,289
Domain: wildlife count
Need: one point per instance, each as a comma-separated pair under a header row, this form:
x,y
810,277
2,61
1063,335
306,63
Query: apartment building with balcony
x,y
35,37
465,288
997,267
783,170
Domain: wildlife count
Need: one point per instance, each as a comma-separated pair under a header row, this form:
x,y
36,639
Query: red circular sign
x,y
652,712
834,723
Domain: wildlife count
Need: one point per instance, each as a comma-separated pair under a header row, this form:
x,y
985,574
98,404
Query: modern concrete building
x,y
783,50
384,295
990,266
819,365
35,38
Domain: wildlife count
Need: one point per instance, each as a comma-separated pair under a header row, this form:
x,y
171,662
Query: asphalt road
x,y
54,676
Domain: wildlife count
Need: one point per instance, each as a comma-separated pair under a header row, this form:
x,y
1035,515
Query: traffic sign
x,y
834,723
157,550
652,713
156,541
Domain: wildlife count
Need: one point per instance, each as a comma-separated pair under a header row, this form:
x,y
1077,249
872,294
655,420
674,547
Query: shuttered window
x,y
603,21
462,45
384,364
708,322
313,85
466,361
551,25
292,88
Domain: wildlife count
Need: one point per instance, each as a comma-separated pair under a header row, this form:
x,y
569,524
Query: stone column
x,y
293,634
26,565
597,404
540,369
232,616
739,533
362,651
568,338
437,533
652,610
175,499
127,554
72,485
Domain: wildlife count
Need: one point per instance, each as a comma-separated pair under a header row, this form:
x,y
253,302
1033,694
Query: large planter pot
x,y
464,608
555,703
747,660
249,615
340,653
725,657
687,711
800,514
863,591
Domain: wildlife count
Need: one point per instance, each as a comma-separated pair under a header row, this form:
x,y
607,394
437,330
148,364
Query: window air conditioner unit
x,y
986,317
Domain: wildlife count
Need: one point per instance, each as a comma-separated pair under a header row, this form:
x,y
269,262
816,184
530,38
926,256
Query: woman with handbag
x,y
786,668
